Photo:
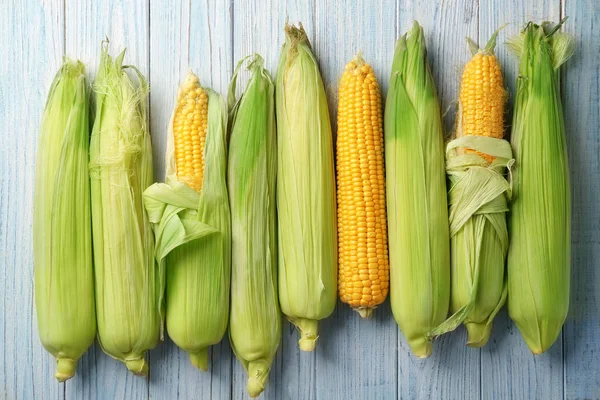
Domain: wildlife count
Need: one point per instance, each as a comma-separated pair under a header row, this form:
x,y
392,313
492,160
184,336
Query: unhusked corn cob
x,y
190,217
476,163
417,210
128,282
62,237
305,190
363,278
190,123
540,221
255,323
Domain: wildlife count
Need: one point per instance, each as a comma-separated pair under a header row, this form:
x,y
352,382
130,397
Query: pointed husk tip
x,y
200,359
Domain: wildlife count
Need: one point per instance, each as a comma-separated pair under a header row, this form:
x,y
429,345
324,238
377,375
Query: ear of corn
x,y
255,322
62,238
191,221
477,160
127,279
306,202
540,220
362,235
416,195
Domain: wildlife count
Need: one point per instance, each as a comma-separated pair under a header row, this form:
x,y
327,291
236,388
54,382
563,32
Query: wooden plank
x,y
33,40
508,369
125,23
198,36
452,371
258,28
581,95
366,348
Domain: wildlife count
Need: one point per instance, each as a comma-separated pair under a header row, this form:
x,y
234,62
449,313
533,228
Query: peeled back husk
x,y
416,195
477,168
540,220
62,236
255,321
193,241
306,202
127,277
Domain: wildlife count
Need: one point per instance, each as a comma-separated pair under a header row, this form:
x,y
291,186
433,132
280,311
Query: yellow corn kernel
x,y
482,97
362,237
189,130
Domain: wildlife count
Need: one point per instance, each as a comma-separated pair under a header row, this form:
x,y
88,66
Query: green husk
x,y
193,242
62,238
540,220
255,322
416,195
127,277
478,199
306,202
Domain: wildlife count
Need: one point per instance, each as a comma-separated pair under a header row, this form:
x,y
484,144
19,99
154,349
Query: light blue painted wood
x,y
581,94
357,357
125,23
507,356
32,49
354,358
258,28
452,371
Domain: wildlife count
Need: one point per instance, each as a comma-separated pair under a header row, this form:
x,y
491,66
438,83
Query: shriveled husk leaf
x,y
255,321
62,236
306,202
127,277
540,220
193,242
416,195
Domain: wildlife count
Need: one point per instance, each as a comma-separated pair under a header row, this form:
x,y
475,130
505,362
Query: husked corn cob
x,y
540,221
128,282
417,210
255,323
476,163
62,237
190,217
363,279
305,190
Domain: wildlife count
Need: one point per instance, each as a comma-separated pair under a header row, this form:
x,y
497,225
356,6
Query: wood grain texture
x,y
367,349
125,23
258,28
452,371
581,95
28,65
355,359
508,369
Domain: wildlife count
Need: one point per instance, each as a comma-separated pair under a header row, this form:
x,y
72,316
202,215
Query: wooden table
x,y
355,359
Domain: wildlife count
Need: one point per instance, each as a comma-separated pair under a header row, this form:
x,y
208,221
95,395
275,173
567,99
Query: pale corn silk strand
x,y
120,169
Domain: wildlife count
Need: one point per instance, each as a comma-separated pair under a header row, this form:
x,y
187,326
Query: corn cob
x,y
255,323
363,279
305,190
190,217
476,162
540,220
416,195
62,238
127,279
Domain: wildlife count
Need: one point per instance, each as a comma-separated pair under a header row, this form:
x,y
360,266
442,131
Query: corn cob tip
x,y
420,347
365,312
200,359
65,369
258,371
139,366
478,333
